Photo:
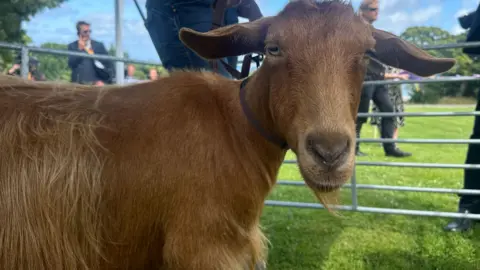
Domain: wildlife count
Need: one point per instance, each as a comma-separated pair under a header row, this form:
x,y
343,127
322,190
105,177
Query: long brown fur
x,y
50,178
170,174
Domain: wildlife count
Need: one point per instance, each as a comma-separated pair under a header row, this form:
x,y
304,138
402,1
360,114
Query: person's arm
x,y
73,61
249,9
103,50
14,68
108,64
389,76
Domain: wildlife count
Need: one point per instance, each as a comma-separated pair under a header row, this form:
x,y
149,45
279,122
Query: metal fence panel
x,y
354,186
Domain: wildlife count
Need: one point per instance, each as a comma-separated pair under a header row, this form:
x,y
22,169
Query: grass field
x,y
307,239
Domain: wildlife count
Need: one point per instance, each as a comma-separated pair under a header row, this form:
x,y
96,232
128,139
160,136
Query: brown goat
x,y
173,174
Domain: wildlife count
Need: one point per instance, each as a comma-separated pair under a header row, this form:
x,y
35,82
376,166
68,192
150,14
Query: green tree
x,y
113,51
54,67
12,14
431,93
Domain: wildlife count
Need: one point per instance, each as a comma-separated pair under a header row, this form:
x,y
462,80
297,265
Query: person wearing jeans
x,y
164,20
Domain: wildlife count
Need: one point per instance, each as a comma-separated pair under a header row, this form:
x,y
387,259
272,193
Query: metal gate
x,y
353,186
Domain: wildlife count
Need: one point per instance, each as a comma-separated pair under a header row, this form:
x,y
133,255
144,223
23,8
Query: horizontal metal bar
x,y
423,81
418,165
432,47
407,164
420,114
394,188
419,141
11,46
375,210
452,46
441,46
70,53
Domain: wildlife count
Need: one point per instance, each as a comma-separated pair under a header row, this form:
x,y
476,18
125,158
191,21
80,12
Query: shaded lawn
x,y
313,239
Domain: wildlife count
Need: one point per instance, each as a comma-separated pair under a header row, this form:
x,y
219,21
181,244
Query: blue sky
x,y
58,25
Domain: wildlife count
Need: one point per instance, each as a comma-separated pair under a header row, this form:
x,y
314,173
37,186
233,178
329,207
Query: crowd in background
x,y
85,70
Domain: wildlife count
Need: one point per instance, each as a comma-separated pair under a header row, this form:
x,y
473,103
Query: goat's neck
x,y
257,97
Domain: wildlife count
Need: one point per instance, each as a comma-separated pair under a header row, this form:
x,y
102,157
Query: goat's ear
x,y
393,51
232,40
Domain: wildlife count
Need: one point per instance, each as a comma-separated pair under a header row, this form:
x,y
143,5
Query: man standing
x,y
377,93
87,70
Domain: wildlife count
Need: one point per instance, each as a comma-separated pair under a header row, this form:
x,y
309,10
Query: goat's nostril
x,y
329,152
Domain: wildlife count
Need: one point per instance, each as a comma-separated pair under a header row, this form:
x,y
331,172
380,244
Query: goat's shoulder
x,y
203,82
199,90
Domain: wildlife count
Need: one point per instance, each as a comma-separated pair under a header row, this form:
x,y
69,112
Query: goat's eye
x,y
273,50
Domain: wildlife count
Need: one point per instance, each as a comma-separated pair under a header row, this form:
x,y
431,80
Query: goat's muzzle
x,y
326,161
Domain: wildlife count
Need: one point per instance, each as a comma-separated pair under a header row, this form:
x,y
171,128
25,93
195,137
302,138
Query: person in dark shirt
x,y
471,178
87,70
377,93
34,74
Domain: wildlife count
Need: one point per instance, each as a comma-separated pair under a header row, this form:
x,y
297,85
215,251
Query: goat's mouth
x,y
325,181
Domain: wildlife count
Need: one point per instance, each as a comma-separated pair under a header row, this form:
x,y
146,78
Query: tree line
x,y
466,65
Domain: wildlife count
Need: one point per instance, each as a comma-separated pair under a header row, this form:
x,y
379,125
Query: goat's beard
x,y
327,199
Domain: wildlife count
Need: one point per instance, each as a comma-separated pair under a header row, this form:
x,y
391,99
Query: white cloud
x,y
457,29
462,12
399,17
424,15
396,19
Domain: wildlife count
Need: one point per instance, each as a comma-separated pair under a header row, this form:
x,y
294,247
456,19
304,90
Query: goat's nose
x,y
329,149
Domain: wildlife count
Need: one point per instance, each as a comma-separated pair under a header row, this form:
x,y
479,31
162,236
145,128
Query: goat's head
x,y
316,58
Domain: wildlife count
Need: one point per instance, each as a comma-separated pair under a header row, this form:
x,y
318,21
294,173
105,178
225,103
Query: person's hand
x,y
81,44
15,67
99,83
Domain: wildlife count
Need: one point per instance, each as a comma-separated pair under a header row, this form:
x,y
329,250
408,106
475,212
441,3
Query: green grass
x,y
307,239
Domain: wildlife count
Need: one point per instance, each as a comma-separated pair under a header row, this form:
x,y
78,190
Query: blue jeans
x,y
231,17
164,20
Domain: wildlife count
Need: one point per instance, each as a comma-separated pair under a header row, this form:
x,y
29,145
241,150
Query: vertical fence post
x,y
354,189
119,66
24,63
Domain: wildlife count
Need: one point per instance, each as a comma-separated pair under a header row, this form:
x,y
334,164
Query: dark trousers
x,y
472,176
379,95
164,20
